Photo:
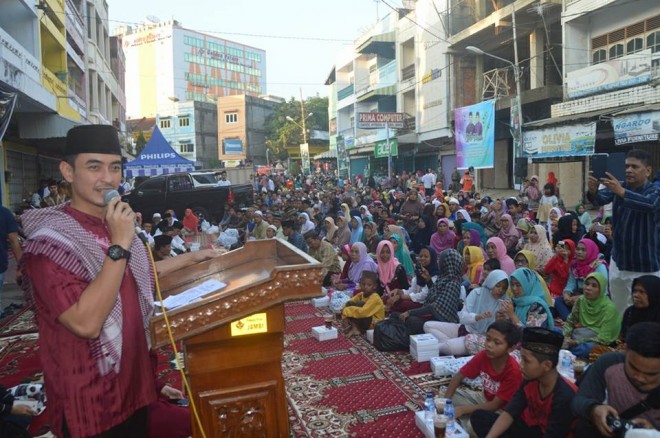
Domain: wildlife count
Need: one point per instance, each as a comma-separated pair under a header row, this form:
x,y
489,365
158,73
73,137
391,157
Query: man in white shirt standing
x,y
223,181
429,182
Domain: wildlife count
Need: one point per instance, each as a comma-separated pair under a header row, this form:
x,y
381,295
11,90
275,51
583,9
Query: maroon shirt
x,y
91,403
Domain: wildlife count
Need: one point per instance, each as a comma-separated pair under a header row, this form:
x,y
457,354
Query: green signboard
x,y
380,149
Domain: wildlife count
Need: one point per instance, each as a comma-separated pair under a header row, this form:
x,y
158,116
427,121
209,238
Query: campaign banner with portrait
x,y
560,141
475,135
637,127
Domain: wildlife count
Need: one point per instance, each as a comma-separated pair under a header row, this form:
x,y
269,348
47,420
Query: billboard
x,y
623,72
638,127
475,135
560,141
232,146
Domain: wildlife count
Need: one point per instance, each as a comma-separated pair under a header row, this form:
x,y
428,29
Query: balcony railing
x,y
408,72
345,92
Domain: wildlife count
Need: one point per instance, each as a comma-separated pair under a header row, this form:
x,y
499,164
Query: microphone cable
x,y
184,379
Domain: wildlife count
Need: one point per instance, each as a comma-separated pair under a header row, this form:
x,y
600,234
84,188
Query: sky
x,y
302,38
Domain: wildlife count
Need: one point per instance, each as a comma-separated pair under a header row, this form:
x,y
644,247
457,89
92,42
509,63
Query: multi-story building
x,y
191,128
165,61
241,127
398,65
58,65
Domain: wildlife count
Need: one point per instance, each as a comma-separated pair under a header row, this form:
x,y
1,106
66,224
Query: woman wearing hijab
x,y
402,254
401,231
594,319
463,214
478,313
583,216
646,303
495,249
491,220
538,245
343,233
360,262
527,259
356,229
391,274
305,223
330,231
469,238
422,237
586,261
371,237
443,238
529,308
478,228
567,228
442,210
558,268
345,255
365,213
444,298
553,218
474,261
190,221
509,233
347,211
426,273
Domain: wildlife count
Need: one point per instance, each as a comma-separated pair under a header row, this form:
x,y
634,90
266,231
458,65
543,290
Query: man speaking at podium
x,y
92,284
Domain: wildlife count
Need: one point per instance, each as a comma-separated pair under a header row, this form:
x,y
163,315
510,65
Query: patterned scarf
x,y
56,234
445,294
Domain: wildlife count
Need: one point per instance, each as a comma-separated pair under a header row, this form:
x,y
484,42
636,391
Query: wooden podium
x,y
236,379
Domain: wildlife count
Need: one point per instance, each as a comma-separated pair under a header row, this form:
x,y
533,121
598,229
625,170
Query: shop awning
x,y
327,155
382,44
389,90
571,118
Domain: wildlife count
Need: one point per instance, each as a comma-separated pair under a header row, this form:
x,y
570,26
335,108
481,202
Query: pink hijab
x,y
582,268
506,262
510,231
440,242
386,270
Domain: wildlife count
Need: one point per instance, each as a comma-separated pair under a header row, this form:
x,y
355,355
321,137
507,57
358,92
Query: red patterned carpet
x,y
345,387
341,387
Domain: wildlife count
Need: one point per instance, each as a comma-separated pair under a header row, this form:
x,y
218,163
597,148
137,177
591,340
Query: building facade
x,y
166,61
242,128
55,58
398,65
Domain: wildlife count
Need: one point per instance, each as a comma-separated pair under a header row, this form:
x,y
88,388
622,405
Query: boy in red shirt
x,y
499,372
541,407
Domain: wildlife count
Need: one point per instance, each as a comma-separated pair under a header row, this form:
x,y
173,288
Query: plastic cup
x,y
439,426
328,322
440,404
578,368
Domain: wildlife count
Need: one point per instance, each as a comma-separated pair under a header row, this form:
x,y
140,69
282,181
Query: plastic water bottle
x,y
429,409
565,364
449,413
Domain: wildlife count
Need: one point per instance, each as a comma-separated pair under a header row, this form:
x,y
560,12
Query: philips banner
x,y
475,135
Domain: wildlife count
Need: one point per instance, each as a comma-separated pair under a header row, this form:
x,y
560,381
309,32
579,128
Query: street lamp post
x,y
174,101
516,73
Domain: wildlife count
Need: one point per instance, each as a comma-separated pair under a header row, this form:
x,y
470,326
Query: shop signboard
x,y
637,127
560,141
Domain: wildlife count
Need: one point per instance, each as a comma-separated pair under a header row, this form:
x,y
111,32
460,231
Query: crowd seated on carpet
x,y
477,273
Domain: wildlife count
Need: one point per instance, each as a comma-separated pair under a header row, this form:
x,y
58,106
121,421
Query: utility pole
x,y
302,117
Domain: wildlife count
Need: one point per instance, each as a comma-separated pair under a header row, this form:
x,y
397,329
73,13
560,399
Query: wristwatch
x,y
116,252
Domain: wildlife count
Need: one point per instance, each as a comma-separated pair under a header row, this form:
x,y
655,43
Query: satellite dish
x,y
153,19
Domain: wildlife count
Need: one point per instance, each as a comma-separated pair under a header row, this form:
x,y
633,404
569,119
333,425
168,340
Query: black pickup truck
x,y
179,192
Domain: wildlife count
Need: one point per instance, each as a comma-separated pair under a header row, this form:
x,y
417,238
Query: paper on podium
x,y
191,295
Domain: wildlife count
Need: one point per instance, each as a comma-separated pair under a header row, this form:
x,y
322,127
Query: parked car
x,y
180,191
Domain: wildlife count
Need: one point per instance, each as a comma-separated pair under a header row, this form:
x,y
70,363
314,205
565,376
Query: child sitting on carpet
x,y
541,407
366,307
14,418
499,372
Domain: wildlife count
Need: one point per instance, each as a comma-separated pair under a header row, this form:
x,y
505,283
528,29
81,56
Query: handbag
x,y
391,334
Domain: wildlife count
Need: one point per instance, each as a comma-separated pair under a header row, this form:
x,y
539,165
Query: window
x,y
165,123
184,121
179,183
634,45
616,51
653,41
187,148
599,56
156,185
231,117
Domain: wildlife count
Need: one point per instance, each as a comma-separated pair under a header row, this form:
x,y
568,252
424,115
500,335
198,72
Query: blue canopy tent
x,y
157,158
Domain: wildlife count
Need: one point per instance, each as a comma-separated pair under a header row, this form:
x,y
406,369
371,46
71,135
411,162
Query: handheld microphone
x,y
112,194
